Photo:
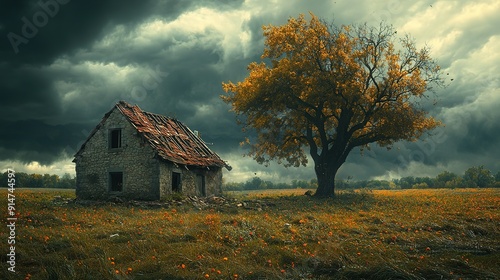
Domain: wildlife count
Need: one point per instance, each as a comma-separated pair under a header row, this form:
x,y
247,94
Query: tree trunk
x,y
325,174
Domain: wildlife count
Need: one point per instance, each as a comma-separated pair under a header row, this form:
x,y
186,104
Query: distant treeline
x,y
474,177
25,180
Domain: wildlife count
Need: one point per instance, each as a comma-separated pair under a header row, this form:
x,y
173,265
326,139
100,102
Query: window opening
x,y
115,138
176,182
116,181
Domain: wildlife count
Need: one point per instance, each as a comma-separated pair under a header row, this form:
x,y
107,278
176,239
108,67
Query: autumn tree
x,y
332,88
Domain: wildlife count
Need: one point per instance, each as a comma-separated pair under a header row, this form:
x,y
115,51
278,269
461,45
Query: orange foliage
x,y
332,88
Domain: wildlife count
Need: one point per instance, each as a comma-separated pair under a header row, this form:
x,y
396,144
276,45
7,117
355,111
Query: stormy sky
x,y
64,63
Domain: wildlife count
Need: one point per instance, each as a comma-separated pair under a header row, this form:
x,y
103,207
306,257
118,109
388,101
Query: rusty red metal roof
x,y
172,140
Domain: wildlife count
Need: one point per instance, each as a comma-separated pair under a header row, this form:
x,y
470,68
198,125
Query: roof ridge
x,y
122,102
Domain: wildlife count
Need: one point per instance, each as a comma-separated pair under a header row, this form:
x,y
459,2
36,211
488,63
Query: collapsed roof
x,y
172,140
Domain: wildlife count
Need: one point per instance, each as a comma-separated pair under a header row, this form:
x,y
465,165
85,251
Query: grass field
x,y
411,234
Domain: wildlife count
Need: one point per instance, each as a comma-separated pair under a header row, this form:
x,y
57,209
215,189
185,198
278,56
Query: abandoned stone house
x,y
140,155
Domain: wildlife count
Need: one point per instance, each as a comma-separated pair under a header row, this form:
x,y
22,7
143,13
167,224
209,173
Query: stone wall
x,y
189,181
135,158
144,176
214,181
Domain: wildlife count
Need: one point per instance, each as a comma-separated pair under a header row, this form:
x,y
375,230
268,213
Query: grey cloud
x,y
94,53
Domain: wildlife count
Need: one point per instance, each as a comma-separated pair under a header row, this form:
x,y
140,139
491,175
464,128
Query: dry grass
x,y
412,234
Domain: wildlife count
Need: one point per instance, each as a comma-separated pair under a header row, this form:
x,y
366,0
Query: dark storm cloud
x,y
170,57
52,28
33,140
26,93
37,34
34,33
479,132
